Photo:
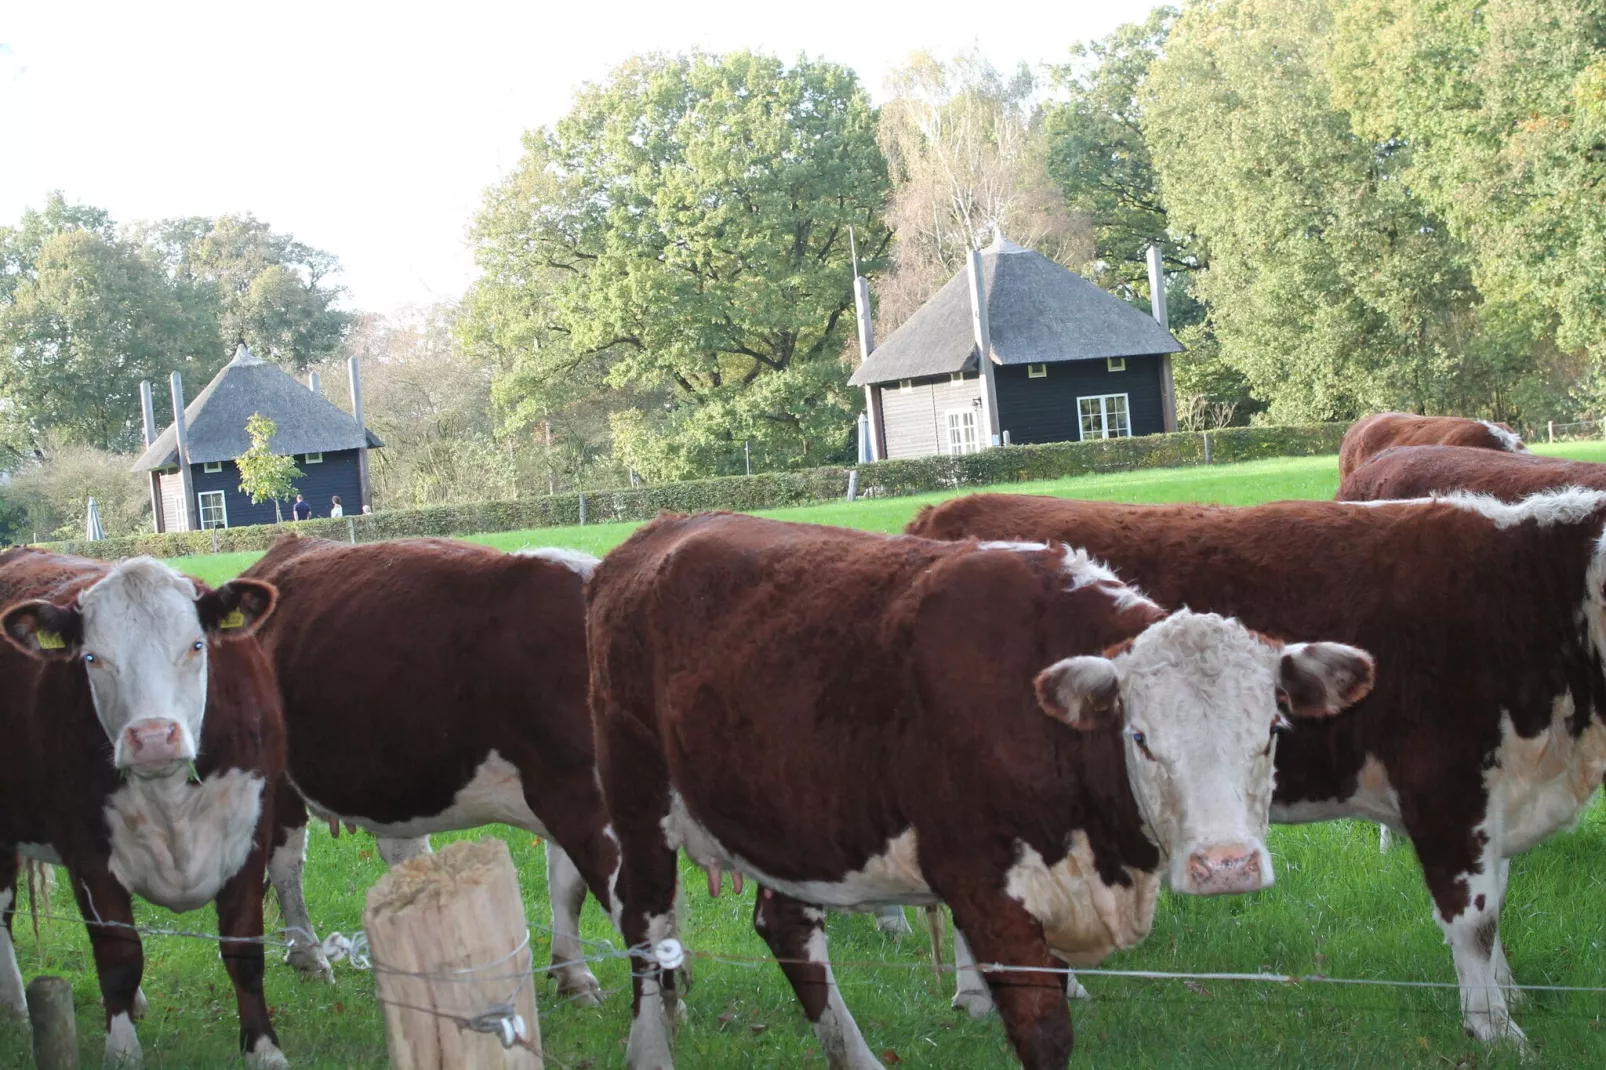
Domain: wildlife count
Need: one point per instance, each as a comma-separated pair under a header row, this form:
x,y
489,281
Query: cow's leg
x,y
795,932
566,889
13,1000
892,921
395,851
286,866
971,994
635,782
1383,839
108,912
1031,1004
1467,900
239,916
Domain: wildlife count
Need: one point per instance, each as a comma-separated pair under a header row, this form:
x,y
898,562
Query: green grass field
x,y
1338,908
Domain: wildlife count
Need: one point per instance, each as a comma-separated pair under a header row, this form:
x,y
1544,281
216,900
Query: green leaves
x,y
263,475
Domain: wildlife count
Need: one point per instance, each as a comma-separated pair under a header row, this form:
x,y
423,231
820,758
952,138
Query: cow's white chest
x,y
177,843
1083,918
494,795
1542,784
1374,799
889,878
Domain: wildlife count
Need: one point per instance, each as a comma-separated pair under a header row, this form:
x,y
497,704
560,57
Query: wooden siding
x,y
173,514
336,475
1044,410
914,422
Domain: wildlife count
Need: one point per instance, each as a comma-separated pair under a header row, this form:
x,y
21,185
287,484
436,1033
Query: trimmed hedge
x,y
773,490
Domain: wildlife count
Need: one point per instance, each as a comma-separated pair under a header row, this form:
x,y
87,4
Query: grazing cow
x,y
1419,471
1485,732
432,685
1374,434
855,720
142,732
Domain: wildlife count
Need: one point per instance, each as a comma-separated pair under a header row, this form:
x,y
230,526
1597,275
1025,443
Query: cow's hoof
x,y
976,1004
8,1013
892,922
311,963
266,1056
142,1006
582,989
1493,1028
1074,990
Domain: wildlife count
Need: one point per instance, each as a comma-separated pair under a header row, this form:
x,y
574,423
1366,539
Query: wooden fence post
x,y
434,924
1550,431
55,1030
1207,447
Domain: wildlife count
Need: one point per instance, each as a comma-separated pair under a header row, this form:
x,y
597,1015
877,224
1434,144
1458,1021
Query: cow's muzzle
x,y
154,747
1225,869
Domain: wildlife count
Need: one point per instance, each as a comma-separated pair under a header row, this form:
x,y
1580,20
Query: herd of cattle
x,y
1034,711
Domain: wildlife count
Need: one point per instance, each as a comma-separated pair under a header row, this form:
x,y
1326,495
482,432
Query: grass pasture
x,y
1339,908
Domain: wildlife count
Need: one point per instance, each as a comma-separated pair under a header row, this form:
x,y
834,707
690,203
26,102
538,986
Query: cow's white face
x,y
1200,700
141,636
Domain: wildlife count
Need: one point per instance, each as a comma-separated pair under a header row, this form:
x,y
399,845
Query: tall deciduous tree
x,y
264,475
683,234
967,157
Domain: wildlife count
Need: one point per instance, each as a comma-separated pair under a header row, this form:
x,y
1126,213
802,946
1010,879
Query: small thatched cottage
x,y
1067,361
329,445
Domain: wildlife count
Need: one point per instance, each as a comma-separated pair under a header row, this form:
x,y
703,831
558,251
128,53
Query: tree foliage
x,y
682,235
48,497
265,475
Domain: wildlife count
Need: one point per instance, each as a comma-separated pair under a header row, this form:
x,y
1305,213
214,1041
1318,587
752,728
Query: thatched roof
x,y
1038,313
215,420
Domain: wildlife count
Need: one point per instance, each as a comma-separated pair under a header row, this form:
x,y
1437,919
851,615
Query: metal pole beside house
x,y
192,521
362,429
147,412
1168,388
313,383
872,397
984,349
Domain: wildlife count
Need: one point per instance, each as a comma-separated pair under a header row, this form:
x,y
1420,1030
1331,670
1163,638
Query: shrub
x,y
1015,464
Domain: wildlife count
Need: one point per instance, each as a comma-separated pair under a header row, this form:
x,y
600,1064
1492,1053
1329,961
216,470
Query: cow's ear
x,y
236,609
44,630
1083,692
1320,679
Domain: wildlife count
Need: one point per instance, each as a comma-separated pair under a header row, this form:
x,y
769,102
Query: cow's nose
x,y
154,742
1225,869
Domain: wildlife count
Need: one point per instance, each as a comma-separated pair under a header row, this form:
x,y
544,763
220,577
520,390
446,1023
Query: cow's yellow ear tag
x,y
232,619
49,640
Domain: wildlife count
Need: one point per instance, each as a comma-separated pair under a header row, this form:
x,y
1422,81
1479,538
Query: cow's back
x,y
1370,436
1419,471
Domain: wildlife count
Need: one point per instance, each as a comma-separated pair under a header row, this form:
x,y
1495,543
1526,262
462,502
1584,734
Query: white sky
x,y
371,130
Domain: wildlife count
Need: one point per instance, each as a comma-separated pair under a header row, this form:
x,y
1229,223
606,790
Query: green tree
x,y
265,475
1330,285
683,234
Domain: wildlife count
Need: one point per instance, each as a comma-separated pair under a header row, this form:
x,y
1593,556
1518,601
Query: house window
x,y
962,430
1104,417
212,466
1115,364
214,510
905,385
1037,371
314,458
957,377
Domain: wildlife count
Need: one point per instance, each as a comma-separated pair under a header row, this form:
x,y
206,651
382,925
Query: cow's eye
x,y
1142,743
89,659
200,644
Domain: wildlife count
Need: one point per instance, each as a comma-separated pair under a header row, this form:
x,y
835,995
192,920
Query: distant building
x,y
1068,362
328,446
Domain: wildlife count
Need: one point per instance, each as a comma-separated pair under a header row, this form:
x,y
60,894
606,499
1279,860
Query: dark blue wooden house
x,y
1066,361
327,443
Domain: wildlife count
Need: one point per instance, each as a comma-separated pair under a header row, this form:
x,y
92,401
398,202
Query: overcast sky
x,y
371,130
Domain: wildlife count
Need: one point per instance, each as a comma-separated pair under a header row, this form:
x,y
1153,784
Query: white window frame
x,y
212,466
1115,364
1037,371
312,458
1104,416
953,448
200,507
906,386
956,377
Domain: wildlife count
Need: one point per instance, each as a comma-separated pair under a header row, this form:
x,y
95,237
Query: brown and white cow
x,y
1372,435
1485,733
432,685
1421,471
856,720
141,733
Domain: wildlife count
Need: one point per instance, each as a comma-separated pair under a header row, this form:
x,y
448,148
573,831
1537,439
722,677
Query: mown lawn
x,y
1338,908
